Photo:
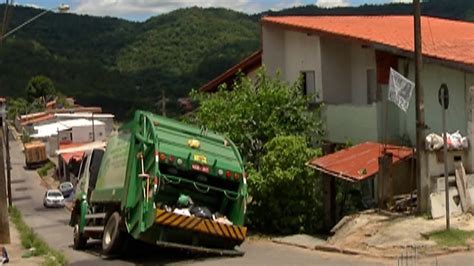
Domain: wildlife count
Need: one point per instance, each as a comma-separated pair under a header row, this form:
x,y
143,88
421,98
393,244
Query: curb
x,y
325,248
355,252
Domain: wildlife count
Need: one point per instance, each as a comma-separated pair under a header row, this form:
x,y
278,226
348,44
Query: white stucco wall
x,y
362,59
291,53
433,76
344,71
273,46
83,133
336,71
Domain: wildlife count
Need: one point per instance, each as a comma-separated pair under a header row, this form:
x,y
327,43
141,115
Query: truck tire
x,y
112,238
80,240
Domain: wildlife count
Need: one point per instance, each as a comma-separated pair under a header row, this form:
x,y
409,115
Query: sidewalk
x,y
15,251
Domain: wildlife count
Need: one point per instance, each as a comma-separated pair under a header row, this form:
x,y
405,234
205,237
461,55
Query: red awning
x,y
67,157
359,162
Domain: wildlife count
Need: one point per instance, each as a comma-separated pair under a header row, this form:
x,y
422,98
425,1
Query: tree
x,y
269,121
255,111
40,87
286,193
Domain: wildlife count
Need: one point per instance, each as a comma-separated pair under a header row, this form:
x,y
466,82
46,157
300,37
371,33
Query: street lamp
x,y
63,8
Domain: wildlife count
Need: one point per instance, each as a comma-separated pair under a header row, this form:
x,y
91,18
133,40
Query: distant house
x,y
69,131
107,119
28,121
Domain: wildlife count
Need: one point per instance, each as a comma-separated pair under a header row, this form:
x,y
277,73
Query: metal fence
x,y
410,257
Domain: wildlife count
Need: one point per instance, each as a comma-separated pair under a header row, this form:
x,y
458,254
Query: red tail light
x,y
162,157
236,177
171,159
227,174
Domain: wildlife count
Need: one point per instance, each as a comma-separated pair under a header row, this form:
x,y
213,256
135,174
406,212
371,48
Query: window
x,y
309,86
371,86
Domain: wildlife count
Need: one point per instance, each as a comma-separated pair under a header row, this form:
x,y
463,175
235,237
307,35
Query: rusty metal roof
x,y
359,162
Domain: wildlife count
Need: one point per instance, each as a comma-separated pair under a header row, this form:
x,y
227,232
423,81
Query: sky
x,y
140,10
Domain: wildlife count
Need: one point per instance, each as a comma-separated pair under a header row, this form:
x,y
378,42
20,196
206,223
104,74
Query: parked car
x,y
66,188
53,198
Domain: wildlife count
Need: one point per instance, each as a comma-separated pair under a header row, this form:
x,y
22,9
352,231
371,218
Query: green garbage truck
x,y
162,182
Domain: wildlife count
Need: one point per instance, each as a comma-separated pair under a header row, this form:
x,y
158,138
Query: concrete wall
x,y
432,77
290,53
341,78
344,70
336,71
348,122
273,44
84,133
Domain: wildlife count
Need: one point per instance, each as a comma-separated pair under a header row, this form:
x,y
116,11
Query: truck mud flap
x,y
205,226
202,250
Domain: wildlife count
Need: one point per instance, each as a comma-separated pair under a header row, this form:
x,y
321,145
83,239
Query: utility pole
x,y
422,187
93,127
4,223
444,101
9,164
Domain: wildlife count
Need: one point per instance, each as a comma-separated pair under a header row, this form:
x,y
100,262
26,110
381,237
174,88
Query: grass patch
x,y
29,239
43,171
453,237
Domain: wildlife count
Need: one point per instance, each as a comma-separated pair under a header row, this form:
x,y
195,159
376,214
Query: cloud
x,y
332,3
152,7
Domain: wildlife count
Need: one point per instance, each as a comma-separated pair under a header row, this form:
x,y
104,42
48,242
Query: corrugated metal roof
x,y
52,129
443,39
36,119
83,115
359,162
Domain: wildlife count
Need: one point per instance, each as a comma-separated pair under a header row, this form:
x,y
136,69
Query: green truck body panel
x,y
154,160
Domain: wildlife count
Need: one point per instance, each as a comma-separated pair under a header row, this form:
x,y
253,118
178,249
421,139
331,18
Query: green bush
x,y
286,193
257,110
43,171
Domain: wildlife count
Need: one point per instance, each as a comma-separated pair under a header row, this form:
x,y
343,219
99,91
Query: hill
x,y
122,65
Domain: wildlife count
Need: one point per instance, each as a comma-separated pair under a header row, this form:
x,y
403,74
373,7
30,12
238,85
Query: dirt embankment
x,y
386,235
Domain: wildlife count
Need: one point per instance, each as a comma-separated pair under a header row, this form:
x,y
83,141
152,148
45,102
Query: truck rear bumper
x,y
199,225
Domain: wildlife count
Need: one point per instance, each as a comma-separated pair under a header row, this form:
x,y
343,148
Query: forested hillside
x,y
122,65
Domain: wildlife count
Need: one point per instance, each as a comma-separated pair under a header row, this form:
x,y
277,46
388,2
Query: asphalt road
x,y
52,226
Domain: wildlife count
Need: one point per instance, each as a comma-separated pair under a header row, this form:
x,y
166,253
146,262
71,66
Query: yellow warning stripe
x,y
200,225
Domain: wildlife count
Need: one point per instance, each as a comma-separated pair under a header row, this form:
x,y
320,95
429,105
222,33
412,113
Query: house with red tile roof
x,y
345,63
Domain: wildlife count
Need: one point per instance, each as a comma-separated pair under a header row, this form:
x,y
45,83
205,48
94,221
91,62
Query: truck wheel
x,y
113,238
80,240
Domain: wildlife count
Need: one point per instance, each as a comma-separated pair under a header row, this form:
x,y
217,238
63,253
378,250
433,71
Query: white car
x,y
53,198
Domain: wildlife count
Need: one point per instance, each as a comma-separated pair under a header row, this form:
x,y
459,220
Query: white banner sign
x,y
400,90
